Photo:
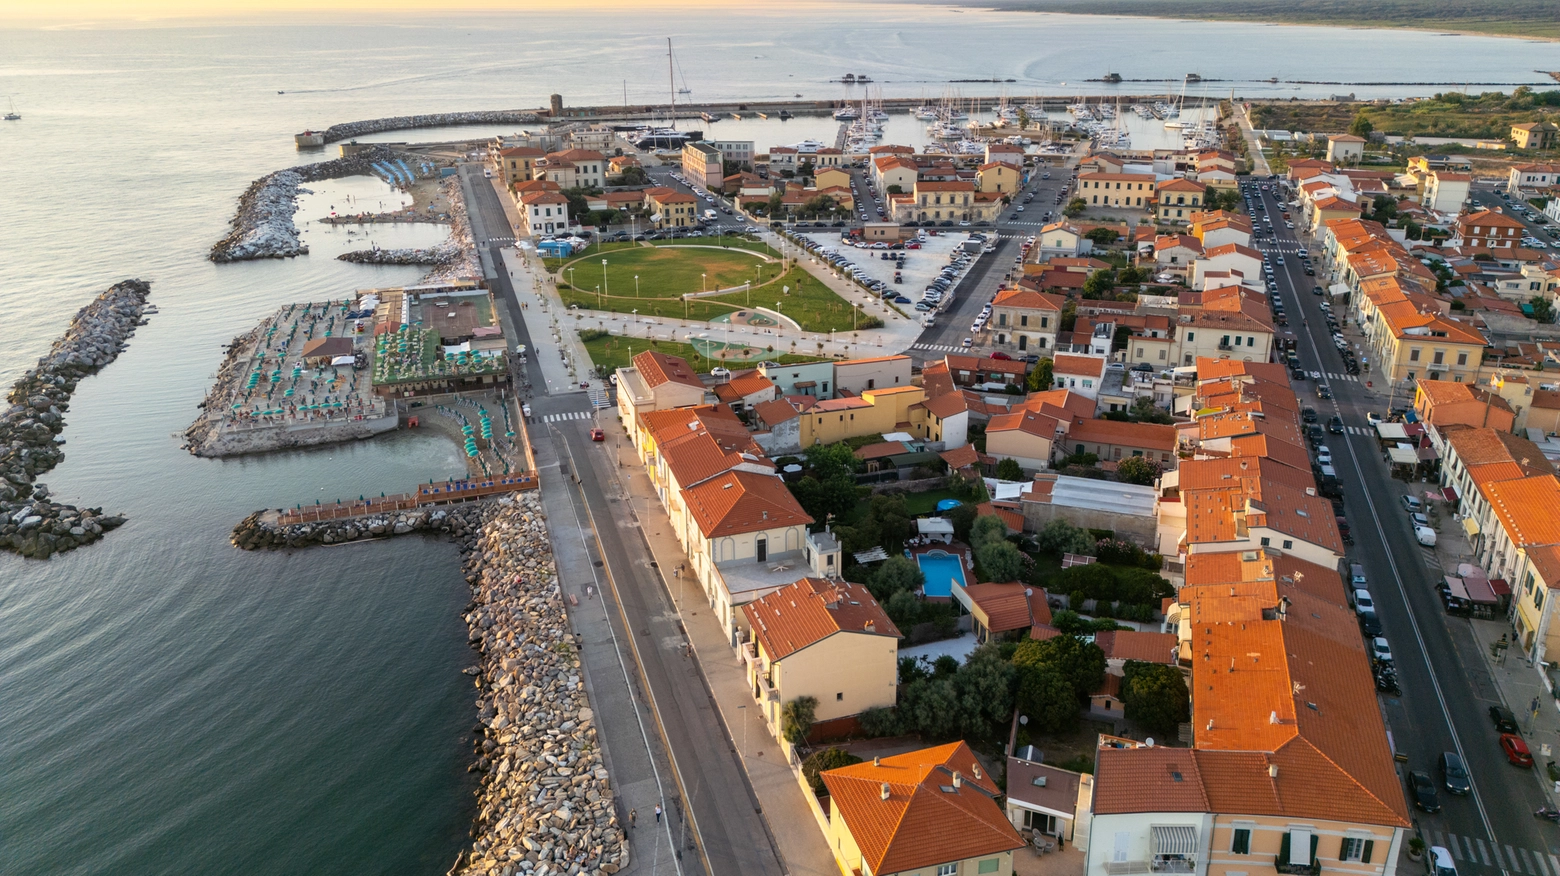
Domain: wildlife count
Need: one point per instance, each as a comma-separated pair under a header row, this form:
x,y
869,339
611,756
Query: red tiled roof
x,y
805,613
658,368
738,502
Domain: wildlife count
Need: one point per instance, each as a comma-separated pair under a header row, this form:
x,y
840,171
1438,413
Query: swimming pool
x,y
942,570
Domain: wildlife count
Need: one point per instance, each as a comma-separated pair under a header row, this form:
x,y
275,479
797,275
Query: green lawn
x,y
663,271
1518,18
926,503
615,352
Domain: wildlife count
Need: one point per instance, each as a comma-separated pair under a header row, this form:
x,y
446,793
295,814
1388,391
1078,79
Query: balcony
x,y
1281,864
1173,865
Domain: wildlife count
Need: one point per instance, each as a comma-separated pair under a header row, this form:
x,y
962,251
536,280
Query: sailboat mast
x,y
671,81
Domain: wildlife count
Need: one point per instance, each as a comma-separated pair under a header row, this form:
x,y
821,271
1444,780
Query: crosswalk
x,y
939,348
598,398
1358,430
571,415
1340,375
1475,851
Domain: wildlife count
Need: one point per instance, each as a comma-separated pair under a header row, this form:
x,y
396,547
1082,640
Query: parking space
x,y
919,265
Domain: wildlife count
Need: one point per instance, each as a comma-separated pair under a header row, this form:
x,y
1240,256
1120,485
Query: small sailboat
x,y
10,114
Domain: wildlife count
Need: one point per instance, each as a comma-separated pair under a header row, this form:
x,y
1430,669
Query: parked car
x,y
1363,602
720,373
999,355
1308,414
1425,535
1413,505
1380,651
1440,862
1454,776
1370,624
1516,750
1423,791
1504,720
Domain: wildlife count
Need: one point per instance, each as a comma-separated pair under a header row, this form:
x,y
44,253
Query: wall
x,y
1267,837
1143,530
864,668
853,378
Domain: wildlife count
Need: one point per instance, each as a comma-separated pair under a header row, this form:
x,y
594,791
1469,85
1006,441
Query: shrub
x,y
827,759
796,719
588,335
879,721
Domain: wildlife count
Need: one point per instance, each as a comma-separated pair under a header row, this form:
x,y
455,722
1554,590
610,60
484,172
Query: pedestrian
x,y
633,815
657,813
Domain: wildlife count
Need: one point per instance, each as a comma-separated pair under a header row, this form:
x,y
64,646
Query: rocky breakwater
x,y
263,530
442,254
264,227
31,524
347,130
545,806
464,263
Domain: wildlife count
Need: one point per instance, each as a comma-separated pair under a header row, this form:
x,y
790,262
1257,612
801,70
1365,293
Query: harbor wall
x,y
266,439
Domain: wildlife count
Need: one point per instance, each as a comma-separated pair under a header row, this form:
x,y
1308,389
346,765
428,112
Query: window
x,y
1240,841
1001,319
1356,848
1023,319
1190,336
1440,355
763,548
948,869
1288,544
1251,341
1413,354
990,865
839,697
1462,358
1265,541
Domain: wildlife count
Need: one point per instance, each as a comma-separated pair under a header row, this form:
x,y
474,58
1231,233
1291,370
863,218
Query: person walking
x,y
657,813
633,815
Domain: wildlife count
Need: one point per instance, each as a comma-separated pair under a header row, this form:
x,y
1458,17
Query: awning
x,y
1428,454
1391,431
1338,289
1449,494
1470,526
1500,587
1455,586
1174,839
1480,591
1403,456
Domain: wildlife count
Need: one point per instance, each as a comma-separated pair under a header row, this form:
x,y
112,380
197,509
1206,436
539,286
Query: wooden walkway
x,y
442,493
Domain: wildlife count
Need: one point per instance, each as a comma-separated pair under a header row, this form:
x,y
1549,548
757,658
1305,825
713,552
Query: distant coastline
x,y
1512,19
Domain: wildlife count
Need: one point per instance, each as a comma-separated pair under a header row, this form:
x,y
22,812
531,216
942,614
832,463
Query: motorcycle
x,y
1548,812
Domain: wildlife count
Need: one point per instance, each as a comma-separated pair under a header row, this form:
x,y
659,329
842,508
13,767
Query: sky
x,y
142,10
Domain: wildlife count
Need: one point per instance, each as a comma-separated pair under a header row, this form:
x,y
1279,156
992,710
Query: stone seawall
x,y
348,130
266,439
264,228
546,805
438,255
465,264
31,524
259,531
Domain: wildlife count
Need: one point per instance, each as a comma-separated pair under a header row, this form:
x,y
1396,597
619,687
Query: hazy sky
x,y
59,10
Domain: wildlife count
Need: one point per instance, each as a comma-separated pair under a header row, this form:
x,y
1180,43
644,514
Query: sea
x,y
169,704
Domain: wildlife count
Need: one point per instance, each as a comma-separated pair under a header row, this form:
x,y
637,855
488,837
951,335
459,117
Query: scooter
x,y
1548,812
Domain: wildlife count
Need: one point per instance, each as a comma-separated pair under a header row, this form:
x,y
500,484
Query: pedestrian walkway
x,y
1336,375
571,415
940,348
1475,851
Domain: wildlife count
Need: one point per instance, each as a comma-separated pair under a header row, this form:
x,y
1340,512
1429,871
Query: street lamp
x,y
604,275
571,278
635,316
704,285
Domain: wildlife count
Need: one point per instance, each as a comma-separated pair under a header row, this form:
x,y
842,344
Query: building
x,y
1025,436
1119,190
701,164
814,379
894,174
1114,440
953,200
739,151
1023,320
572,168
831,178
1345,149
1446,191
656,382
518,163
932,811
745,390
670,208
1175,200
544,212
875,411
1443,403
1535,135
1084,375
999,177
1000,611
1489,229
855,376
1532,177
1525,544
1044,798
1061,239
1408,344
822,638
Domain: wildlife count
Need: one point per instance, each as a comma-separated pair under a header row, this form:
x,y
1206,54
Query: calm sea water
x,y
172,705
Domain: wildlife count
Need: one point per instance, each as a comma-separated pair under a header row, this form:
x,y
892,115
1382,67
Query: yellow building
x,y
831,177
1176,200
930,812
1410,345
1525,550
875,411
999,177
1119,190
518,163
702,163
825,639
676,209
1535,135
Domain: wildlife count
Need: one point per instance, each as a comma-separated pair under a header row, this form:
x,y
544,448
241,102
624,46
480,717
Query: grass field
x,y
1518,18
666,272
615,352
1485,116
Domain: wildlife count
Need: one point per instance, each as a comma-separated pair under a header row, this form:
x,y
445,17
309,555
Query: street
x,y
1447,688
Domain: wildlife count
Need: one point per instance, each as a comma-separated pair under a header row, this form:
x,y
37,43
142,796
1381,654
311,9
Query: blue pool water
x,y
942,571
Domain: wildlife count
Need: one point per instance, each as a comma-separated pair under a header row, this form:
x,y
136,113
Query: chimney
x,y
870,626
1273,717
883,792
877,761
1272,770
975,771
958,780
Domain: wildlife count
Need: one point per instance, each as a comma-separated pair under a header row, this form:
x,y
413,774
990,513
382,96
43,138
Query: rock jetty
x,y
348,130
438,255
264,228
260,530
31,524
545,806
466,263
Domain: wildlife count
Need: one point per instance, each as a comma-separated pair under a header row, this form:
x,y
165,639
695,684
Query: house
x,y
955,200
1331,207
746,390
946,420
1408,344
1535,135
1123,646
922,812
1177,199
998,176
1228,257
518,163
572,168
1523,551
1043,798
737,151
1000,611
619,200
1006,153
1081,374
702,164
894,174
1119,190
1216,333
812,378
889,409
822,638
1115,440
1024,320
1025,436
1443,403
976,370
1174,253
1489,229
855,376
1345,149
654,382
1061,239
1532,177
544,212
1446,191
670,208
831,177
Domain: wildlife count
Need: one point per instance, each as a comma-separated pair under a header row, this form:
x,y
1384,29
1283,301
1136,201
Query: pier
x,y
427,495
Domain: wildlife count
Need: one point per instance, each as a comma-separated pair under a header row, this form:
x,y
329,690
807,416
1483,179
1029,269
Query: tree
x,y
631,176
897,574
1384,209
1081,663
730,168
879,721
984,685
1102,236
1000,561
930,707
1042,375
1074,207
988,529
896,189
1045,697
1361,126
1154,696
1543,311
827,759
1010,470
828,460
1099,283
776,203
1137,470
796,719
820,204
829,496
1061,537
1119,339
1133,275
1145,411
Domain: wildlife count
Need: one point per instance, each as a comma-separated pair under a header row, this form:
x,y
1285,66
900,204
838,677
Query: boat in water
x,y
11,114
662,138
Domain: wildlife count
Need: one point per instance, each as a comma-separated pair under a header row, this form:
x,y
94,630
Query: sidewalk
x,y
795,830
533,288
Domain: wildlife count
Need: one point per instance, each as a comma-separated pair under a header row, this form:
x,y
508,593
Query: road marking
x,y
1526,865
1535,865
1483,853
1450,841
572,415
1555,863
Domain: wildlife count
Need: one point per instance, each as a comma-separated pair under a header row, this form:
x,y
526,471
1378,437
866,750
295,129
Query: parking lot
x,y
923,262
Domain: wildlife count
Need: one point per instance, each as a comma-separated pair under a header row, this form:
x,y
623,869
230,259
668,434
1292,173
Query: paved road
x,y
1446,684
1488,195
725,814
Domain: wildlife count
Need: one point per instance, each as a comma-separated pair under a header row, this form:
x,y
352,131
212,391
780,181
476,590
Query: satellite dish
x,y
1149,742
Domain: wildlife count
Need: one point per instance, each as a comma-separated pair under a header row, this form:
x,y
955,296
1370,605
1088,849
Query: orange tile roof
x,y
773,413
1149,436
1063,400
750,382
1085,366
949,404
1157,779
1137,645
1300,513
920,824
1010,606
1215,369
1488,219
1029,299
961,456
1277,449
1210,516
1024,421
808,611
658,368
1526,508
696,457
740,501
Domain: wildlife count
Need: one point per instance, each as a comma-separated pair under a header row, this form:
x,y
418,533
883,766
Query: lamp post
x,y
704,285
571,278
743,710
635,314
604,276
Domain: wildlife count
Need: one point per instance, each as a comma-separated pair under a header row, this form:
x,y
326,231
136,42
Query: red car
x,y
1000,355
598,435
1516,750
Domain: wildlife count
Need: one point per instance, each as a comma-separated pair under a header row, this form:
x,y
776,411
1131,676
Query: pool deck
x,y
956,550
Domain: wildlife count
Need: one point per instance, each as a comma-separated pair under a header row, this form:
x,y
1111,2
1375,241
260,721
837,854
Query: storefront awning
x,y
1470,526
1174,839
1391,431
1403,456
1449,494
